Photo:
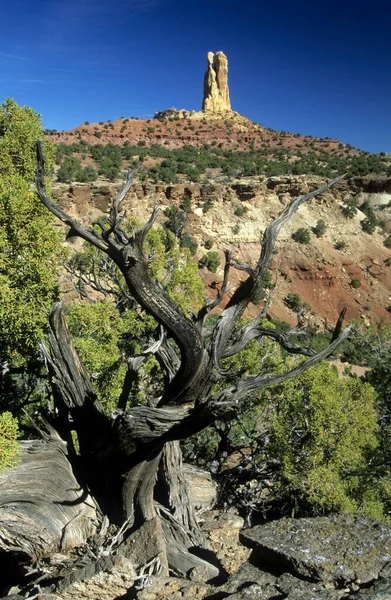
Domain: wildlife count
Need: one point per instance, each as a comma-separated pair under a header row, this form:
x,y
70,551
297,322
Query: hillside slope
x,y
318,272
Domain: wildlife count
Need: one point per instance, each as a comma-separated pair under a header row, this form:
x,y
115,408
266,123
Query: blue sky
x,y
317,68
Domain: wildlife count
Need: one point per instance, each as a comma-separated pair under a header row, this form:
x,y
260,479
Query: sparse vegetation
x,y
240,211
355,283
349,209
211,261
302,236
340,245
295,303
320,228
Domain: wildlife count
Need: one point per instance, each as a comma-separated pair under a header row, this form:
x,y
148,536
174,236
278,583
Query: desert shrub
x,y
368,225
323,430
349,209
340,245
263,287
387,262
89,174
207,204
294,302
186,203
189,242
355,283
301,235
320,228
208,244
211,261
235,229
176,220
240,211
70,170
387,242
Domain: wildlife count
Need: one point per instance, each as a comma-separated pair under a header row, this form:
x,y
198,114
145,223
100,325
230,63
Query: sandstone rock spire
x,y
216,91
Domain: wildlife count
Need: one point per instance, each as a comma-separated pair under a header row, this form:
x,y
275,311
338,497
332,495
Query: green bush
x,y
9,448
188,242
340,245
240,211
302,236
320,228
349,209
208,244
368,225
294,302
70,170
176,220
355,283
186,203
211,261
323,432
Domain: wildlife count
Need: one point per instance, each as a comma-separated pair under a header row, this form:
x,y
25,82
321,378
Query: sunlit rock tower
x,y
216,91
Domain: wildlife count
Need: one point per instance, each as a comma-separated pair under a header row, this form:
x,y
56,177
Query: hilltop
x,y
175,128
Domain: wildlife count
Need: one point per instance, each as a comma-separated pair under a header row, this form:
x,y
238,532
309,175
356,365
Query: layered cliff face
x,y
319,272
216,92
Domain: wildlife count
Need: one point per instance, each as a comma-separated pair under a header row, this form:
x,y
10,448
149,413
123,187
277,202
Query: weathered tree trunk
x,y
130,465
43,508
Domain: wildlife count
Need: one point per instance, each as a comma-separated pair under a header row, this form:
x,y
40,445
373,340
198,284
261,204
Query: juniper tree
x,y
131,459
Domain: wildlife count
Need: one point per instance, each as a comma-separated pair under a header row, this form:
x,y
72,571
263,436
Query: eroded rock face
x,y
216,91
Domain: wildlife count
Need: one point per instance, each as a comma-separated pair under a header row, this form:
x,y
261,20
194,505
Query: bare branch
x,y
251,332
211,304
116,205
243,267
76,227
140,235
232,396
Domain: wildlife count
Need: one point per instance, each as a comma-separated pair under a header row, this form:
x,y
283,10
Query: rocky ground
x,y
343,557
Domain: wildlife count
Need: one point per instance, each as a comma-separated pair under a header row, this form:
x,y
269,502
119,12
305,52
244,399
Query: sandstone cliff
x,y
216,91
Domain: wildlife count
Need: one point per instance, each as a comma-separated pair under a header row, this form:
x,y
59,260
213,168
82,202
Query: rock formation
x,y
216,91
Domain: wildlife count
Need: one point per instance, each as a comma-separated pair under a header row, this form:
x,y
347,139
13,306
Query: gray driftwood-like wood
x,y
132,460
43,509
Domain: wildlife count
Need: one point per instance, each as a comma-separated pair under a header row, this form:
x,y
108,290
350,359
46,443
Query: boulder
x,y
339,550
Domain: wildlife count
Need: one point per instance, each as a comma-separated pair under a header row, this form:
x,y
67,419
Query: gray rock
x,y
298,589
248,575
257,592
380,590
338,549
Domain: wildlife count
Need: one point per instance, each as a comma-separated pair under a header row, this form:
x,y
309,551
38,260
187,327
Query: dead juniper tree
x,y
131,460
